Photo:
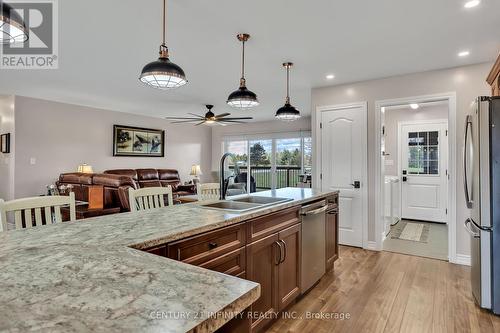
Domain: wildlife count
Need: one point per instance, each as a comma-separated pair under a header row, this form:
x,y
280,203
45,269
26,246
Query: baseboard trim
x,y
462,259
370,245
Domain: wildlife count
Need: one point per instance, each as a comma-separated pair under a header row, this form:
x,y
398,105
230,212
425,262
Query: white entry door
x,y
343,166
424,164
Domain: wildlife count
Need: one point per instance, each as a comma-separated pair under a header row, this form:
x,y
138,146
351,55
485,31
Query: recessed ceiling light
x,y
472,3
414,106
463,53
330,77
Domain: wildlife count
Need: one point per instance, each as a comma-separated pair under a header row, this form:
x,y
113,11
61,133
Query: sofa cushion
x,y
169,174
149,183
125,172
147,174
111,180
76,178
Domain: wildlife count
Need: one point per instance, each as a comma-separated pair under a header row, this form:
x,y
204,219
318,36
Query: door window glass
x,y
423,153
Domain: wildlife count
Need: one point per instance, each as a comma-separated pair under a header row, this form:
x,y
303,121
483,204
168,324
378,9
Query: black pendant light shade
x,y
162,73
242,98
12,27
287,112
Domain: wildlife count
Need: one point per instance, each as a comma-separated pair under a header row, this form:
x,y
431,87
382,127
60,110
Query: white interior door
x,y
424,164
343,167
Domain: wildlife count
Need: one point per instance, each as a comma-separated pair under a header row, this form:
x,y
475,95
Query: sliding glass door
x,y
269,162
261,165
288,162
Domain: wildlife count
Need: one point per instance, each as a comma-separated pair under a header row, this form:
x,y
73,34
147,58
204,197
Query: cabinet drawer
x,y
199,249
232,263
272,223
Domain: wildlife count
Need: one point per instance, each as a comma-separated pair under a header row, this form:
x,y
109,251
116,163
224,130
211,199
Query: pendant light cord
x,y
243,61
287,85
164,21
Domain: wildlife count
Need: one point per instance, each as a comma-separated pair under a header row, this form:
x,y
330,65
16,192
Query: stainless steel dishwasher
x,y
313,243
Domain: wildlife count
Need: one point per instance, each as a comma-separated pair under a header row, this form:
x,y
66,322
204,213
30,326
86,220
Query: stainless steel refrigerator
x,y
482,195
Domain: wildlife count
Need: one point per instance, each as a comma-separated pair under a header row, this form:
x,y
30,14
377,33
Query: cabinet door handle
x,y
278,261
284,251
179,253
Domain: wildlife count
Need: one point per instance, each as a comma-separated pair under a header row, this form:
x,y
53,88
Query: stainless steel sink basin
x,y
261,200
243,204
232,205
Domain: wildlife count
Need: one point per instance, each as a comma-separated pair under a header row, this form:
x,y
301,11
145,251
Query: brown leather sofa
x,y
117,182
156,178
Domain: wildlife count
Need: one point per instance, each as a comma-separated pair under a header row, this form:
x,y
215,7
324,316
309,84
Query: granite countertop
x,y
90,275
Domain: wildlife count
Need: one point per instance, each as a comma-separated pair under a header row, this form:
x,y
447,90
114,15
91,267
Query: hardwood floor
x,y
390,292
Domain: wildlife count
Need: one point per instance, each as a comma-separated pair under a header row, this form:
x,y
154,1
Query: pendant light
x,y
242,98
287,112
12,27
162,73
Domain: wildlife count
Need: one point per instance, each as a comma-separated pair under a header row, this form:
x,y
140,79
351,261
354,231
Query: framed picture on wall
x,y
5,143
137,141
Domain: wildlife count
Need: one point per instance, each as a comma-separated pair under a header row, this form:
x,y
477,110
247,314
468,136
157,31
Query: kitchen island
x,y
95,274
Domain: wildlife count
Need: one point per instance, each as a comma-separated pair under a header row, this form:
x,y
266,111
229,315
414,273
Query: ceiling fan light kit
x,y
162,73
242,98
287,112
12,27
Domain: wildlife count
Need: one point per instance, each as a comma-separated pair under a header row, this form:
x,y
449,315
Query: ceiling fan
x,y
209,118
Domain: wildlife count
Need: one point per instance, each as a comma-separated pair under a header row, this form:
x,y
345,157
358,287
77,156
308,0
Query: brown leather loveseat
x,y
117,182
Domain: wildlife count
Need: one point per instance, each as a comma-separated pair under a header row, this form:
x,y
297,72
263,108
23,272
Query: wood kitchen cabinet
x,y
288,288
494,78
262,267
331,232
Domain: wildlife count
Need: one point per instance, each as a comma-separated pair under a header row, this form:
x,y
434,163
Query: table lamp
x,y
85,168
196,173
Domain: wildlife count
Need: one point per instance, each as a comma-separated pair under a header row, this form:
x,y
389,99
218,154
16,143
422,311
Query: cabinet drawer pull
x,y
333,211
280,246
284,251
212,245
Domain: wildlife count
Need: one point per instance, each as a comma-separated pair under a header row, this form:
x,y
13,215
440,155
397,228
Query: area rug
x,y
412,231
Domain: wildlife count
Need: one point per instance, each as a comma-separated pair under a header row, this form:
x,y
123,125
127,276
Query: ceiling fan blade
x,y
220,123
222,115
202,122
184,121
197,115
238,118
183,118
233,121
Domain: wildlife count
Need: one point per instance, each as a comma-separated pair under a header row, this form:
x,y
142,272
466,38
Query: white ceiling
x,y
104,45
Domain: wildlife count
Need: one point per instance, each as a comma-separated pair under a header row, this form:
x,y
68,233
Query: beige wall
x,y
266,127
7,160
61,136
405,114
468,82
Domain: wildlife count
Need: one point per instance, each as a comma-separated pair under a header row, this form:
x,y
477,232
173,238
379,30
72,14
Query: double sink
x,y
243,204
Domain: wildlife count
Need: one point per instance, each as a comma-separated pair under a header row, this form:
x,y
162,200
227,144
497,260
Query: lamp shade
x,y
195,170
287,113
163,74
242,98
12,27
85,168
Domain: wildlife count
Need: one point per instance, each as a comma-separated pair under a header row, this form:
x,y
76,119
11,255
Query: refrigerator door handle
x,y
468,124
469,229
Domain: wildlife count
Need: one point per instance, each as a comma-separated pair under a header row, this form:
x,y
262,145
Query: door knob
x,y
356,184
